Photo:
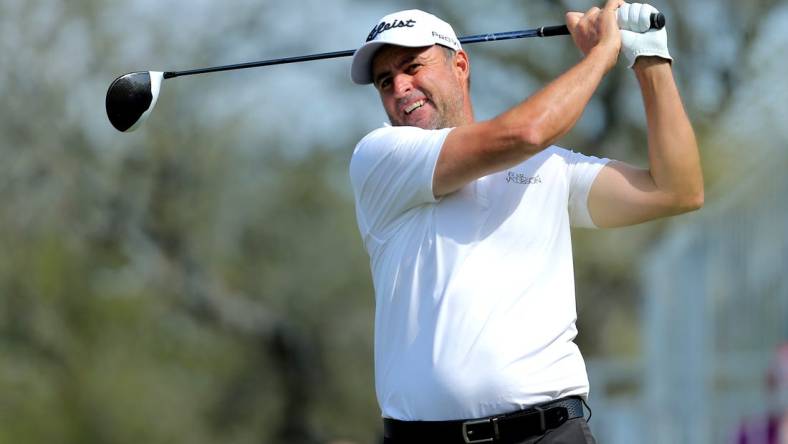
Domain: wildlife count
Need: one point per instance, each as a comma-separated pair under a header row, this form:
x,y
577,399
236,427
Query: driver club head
x,y
131,98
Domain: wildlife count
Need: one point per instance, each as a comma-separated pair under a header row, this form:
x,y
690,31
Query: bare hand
x,y
597,28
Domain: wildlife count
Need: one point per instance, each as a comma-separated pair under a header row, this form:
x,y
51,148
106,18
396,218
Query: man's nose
x,y
403,84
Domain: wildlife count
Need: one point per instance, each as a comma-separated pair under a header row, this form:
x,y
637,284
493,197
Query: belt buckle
x,y
469,440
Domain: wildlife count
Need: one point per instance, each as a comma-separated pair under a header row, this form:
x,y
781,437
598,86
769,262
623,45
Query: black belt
x,y
508,427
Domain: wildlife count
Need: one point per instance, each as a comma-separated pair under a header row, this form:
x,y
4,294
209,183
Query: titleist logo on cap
x,y
385,26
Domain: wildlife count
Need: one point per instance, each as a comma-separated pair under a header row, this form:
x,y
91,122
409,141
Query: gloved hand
x,y
637,40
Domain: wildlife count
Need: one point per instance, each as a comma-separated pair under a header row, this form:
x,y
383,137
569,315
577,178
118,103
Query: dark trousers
x,y
574,431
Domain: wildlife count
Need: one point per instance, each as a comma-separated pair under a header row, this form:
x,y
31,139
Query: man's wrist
x,y
643,63
608,55
652,70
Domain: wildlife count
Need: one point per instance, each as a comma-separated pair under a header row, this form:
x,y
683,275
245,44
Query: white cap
x,y
412,28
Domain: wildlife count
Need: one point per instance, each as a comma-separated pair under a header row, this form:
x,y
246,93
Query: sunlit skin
x,y
406,76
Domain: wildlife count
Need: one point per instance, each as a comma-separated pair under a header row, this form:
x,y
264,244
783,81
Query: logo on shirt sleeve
x,y
522,179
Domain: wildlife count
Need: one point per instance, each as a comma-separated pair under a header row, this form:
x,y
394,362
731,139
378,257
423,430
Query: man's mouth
x,y
414,106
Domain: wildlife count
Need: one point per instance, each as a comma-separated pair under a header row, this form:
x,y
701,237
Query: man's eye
x,y
385,83
413,67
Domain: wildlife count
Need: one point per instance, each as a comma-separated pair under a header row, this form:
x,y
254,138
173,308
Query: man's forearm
x,y
674,161
554,110
481,148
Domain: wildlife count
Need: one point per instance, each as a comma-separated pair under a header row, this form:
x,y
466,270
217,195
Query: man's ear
x,y
462,65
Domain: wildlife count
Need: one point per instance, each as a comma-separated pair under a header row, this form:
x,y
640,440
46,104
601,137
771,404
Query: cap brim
x,y
361,69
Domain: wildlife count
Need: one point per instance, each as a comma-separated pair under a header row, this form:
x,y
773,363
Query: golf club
x,y
131,97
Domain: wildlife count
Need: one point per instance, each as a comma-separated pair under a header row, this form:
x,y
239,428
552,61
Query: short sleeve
x,y
391,171
582,171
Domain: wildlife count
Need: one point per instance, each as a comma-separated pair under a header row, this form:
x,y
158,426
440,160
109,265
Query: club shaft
x,y
657,20
282,61
544,31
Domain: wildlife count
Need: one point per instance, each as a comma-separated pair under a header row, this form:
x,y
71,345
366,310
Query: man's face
x,y
419,86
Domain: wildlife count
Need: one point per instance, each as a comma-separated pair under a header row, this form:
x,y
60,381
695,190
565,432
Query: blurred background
x,y
201,280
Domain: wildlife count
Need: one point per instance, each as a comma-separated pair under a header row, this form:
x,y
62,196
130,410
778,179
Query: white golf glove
x,y
637,40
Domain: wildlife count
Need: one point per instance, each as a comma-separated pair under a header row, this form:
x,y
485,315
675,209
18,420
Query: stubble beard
x,y
451,115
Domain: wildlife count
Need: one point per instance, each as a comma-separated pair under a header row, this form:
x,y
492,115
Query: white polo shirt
x,y
475,303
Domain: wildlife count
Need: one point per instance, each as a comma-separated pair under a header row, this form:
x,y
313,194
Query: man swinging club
x,y
467,225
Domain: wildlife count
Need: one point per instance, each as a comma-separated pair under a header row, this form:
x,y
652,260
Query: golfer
x,y
467,225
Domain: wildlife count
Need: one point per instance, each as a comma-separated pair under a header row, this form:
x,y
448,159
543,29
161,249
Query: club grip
x,y
549,31
657,20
